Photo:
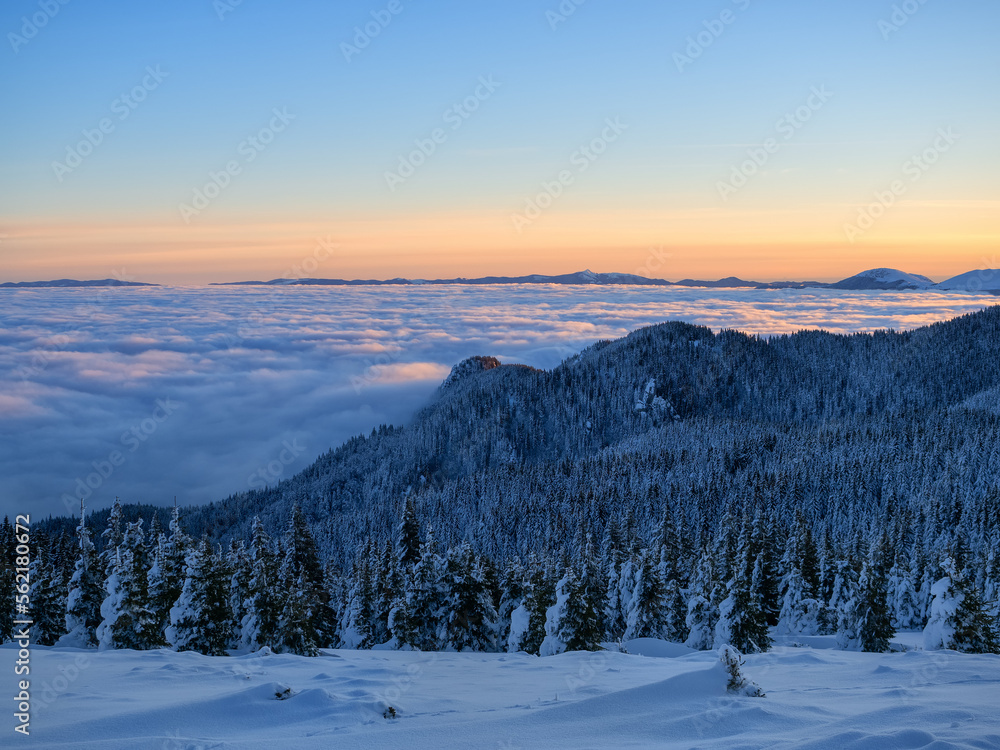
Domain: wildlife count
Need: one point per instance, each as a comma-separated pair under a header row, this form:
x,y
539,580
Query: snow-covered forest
x,y
702,488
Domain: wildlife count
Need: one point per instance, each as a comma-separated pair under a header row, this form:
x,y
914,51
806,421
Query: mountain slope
x,y
885,279
514,458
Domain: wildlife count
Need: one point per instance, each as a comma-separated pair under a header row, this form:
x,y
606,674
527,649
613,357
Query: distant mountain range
x,y
886,279
73,282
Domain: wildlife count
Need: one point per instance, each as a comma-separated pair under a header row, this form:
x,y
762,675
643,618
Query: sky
x,y
185,143
151,393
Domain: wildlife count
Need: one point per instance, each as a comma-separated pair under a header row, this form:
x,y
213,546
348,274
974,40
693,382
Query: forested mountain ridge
x,y
501,420
675,482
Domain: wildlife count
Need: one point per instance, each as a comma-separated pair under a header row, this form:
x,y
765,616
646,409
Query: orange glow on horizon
x,y
935,238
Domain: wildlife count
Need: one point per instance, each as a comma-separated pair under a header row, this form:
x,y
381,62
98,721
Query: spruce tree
x,y
201,619
85,594
167,572
426,598
260,623
647,612
958,619
409,535
702,615
8,580
471,620
873,626
742,622
48,598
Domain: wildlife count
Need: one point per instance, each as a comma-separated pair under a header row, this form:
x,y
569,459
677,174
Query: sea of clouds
x,y
198,392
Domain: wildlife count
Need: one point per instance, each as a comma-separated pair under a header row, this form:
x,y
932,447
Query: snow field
x,y
817,698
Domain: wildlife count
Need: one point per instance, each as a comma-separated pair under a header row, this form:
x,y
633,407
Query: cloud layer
x,y
199,392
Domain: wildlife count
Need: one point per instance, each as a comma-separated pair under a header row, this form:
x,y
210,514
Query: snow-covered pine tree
x,y
571,624
647,612
408,549
307,617
903,599
241,571
259,627
512,590
48,598
8,577
85,594
527,624
167,572
128,620
111,538
799,613
426,597
471,623
201,620
843,604
391,590
357,630
742,622
701,614
958,619
873,618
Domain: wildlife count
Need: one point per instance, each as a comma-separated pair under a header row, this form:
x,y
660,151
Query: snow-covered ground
x,y
816,698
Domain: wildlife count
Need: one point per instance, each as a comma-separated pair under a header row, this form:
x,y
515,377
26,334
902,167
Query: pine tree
x,y
872,615
528,620
512,588
843,604
128,620
201,620
471,620
8,580
259,626
307,617
570,623
958,619
702,615
426,598
167,572
358,627
799,613
111,538
742,623
647,612
903,598
409,535
241,568
48,598
86,592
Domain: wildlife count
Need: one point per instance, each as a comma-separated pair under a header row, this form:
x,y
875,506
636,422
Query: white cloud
x,y
82,370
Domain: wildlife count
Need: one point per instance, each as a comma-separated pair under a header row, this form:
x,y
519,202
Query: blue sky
x,y
354,120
